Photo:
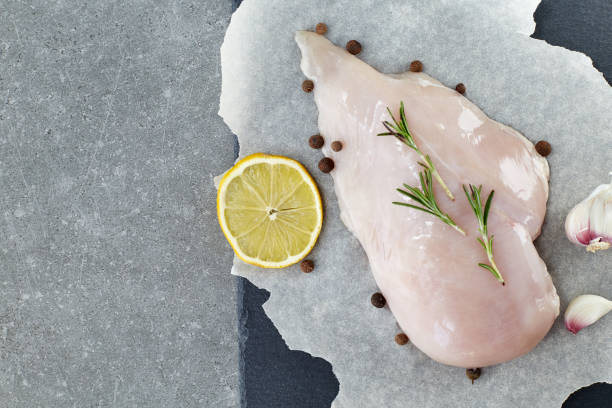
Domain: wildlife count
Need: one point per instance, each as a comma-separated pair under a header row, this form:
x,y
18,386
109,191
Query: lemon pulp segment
x,y
270,211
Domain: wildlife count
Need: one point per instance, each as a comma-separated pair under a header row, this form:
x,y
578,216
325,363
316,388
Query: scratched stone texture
x,y
113,290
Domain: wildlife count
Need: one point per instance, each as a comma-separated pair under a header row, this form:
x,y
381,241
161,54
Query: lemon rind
x,y
236,171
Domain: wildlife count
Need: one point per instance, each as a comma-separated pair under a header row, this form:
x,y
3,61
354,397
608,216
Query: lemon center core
x,y
271,213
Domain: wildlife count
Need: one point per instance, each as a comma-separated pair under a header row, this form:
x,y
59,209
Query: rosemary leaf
x,y
399,129
426,199
482,215
413,206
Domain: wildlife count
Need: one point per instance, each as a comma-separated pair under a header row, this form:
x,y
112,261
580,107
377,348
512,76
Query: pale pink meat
x,y
451,309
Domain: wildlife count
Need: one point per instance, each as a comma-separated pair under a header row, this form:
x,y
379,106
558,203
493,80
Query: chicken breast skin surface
x,y
453,310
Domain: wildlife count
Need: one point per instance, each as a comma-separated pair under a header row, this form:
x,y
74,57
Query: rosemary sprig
x,y
473,196
426,198
401,132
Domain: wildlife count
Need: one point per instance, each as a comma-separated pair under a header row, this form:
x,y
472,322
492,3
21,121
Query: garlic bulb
x,y
590,222
585,310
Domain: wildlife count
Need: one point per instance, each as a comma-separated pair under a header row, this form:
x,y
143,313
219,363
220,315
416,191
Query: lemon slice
x,y
269,209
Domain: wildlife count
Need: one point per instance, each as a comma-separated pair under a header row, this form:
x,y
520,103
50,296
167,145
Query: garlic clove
x,y
590,222
585,310
577,224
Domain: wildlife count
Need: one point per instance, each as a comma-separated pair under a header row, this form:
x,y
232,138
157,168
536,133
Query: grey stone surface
x,y
114,290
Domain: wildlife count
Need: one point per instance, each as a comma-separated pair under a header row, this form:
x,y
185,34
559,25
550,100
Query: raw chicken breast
x,y
452,309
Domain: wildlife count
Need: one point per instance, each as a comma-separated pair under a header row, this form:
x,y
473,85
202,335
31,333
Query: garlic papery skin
x,y
585,310
590,222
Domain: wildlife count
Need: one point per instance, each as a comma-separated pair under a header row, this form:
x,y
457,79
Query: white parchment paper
x,y
545,92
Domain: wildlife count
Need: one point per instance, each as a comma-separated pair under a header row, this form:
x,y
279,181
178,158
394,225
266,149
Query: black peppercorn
x,y
543,148
336,146
321,28
378,300
416,66
401,339
307,266
326,165
307,85
354,47
472,373
460,88
316,141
